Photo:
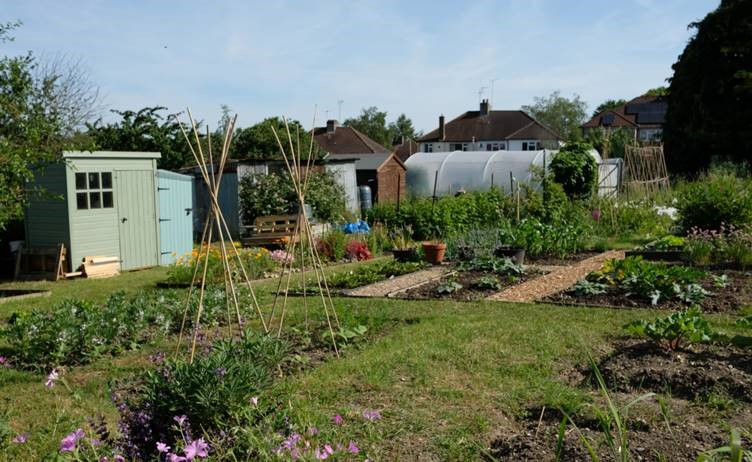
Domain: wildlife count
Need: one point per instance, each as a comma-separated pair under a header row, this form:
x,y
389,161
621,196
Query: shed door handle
x,y
123,220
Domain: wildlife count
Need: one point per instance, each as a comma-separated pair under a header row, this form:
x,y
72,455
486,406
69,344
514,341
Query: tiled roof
x,y
496,125
346,140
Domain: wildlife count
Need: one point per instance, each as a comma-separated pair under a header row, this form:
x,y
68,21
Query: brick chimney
x,y
331,126
442,131
485,107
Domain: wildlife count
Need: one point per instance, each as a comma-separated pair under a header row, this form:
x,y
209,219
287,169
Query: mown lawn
x,y
447,377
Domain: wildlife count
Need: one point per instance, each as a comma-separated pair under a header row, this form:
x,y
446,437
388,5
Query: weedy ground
x,y
448,377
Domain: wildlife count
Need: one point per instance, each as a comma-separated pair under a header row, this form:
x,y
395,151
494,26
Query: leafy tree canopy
x,y
563,115
372,123
657,91
35,126
259,142
608,105
575,169
147,129
710,93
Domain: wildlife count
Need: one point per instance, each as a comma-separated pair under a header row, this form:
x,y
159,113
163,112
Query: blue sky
x,y
423,58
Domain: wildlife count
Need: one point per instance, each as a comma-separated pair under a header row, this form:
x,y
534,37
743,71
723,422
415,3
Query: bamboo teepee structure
x,y
215,227
302,245
646,169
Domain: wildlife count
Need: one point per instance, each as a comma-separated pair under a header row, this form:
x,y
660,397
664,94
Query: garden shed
x,y
384,173
229,190
107,203
474,170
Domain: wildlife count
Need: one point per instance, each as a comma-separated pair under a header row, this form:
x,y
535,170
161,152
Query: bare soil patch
x,y
468,292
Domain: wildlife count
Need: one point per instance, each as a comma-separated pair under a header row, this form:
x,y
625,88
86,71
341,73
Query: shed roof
x,y
110,154
368,161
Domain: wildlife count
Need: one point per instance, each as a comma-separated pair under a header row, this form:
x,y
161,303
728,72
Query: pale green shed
x,y
101,203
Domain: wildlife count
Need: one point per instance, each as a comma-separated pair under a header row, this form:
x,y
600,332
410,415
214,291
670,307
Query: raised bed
x,y
9,295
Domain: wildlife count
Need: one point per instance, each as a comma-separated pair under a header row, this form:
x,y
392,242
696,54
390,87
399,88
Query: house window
x,y
464,146
94,190
455,147
531,145
428,147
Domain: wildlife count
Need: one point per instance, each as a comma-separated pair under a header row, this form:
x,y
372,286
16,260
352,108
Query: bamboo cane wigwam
x,y
214,223
646,169
215,227
302,242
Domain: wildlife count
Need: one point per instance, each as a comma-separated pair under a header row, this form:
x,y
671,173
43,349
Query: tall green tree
x,y
36,125
372,123
608,105
148,129
710,93
563,115
259,142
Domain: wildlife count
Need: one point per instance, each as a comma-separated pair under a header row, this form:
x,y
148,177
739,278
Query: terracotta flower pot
x,y
433,252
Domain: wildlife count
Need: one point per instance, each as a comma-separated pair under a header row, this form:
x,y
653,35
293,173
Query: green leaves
x,y
575,169
688,325
448,287
486,283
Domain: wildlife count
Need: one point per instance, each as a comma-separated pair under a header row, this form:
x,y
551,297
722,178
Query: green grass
x,y
446,376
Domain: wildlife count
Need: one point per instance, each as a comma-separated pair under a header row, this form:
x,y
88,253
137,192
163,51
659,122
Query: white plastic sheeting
x,y
473,170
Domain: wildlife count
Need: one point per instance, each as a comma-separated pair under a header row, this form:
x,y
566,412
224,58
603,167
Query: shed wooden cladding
x,y
102,203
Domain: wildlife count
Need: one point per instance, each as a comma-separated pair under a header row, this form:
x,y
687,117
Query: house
x,y
114,204
235,170
385,174
338,139
643,117
488,130
375,166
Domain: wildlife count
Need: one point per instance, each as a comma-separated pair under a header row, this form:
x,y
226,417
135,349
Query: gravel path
x,y
384,288
555,281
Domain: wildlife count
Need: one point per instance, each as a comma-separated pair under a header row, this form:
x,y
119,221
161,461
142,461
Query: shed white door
x,y
137,219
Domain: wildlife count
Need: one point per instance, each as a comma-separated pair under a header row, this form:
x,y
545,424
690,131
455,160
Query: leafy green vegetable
x,y
688,325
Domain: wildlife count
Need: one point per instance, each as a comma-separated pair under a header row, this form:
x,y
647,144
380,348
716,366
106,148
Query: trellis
x,y
646,169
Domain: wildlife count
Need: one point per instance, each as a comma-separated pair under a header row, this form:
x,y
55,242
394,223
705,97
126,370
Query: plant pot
x,y
516,254
433,252
405,255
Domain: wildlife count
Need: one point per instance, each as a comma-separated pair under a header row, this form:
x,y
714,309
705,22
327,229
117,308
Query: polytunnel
x,y
473,170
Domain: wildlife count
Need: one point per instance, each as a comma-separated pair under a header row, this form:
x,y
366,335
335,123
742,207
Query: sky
x,y
300,59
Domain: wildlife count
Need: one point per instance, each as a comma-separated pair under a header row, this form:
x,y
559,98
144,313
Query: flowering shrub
x,y
728,244
210,394
280,256
78,331
357,250
256,261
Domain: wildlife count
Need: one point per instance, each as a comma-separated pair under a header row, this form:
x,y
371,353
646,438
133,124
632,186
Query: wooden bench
x,y
273,229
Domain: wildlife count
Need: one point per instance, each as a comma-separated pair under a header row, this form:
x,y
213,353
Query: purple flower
x,y
313,431
337,419
21,439
68,444
52,378
352,448
322,454
175,458
4,361
596,214
220,372
104,459
119,458
371,415
161,447
197,448
180,419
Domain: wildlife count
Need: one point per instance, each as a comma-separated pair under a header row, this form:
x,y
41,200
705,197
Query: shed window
x,y
94,190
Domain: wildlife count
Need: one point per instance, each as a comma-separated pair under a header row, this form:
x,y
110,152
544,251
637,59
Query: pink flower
x,y
596,214
119,458
52,378
20,439
161,447
313,431
197,448
371,415
175,458
180,419
352,448
337,419
254,401
68,444
323,454
104,459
